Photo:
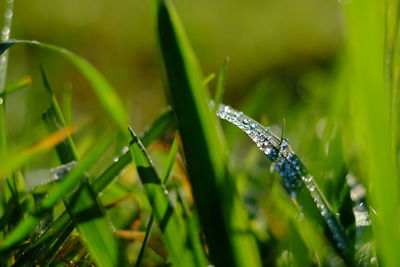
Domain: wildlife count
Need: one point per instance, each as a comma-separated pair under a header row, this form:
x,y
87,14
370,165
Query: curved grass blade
x,y
296,179
164,177
49,240
221,212
176,237
55,195
104,91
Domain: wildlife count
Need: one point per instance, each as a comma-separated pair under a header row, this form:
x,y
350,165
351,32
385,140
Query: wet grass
x,y
192,191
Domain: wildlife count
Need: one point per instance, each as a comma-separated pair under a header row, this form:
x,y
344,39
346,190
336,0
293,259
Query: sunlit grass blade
x,y
175,235
208,79
371,125
221,213
164,177
83,205
104,91
55,194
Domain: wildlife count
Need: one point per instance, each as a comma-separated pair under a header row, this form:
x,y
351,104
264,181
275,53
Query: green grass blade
x,y
175,234
372,128
149,226
208,79
54,120
219,92
95,228
164,178
104,91
221,213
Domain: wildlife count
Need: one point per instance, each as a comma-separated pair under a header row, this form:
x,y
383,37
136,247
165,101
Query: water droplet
x,y
8,15
166,192
1,101
373,260
115,159
284,143
5,31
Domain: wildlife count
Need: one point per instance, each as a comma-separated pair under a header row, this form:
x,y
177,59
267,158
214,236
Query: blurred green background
x,y
271,44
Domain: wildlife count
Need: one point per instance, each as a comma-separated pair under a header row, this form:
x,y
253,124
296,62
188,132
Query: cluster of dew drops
x,y
286,164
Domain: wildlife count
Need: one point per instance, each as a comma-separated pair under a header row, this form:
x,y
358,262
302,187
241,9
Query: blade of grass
x,y
83,206
365,77
221,212
208,79
105,92
176,238
296,180
219,92
164,178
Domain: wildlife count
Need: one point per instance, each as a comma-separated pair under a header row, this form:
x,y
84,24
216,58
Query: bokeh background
x,y
272,44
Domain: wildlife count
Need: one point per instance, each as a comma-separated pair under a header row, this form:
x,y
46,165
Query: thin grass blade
x,y
176,238
164,177
219,92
